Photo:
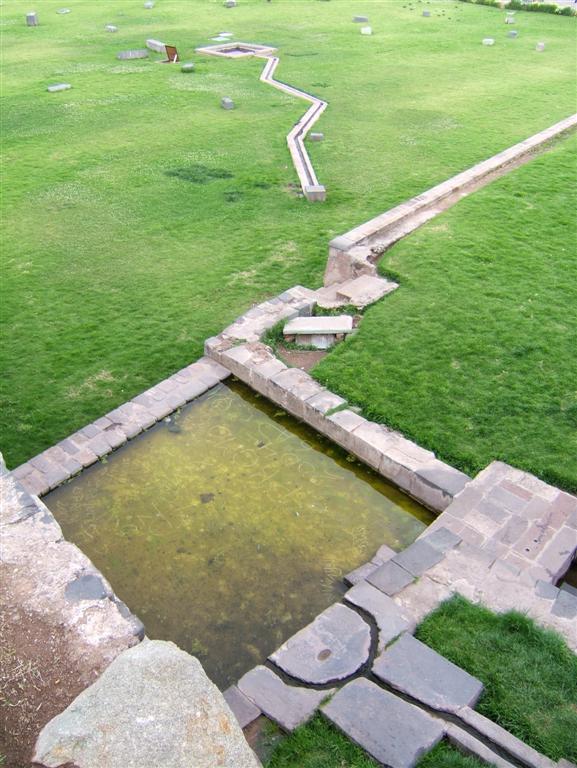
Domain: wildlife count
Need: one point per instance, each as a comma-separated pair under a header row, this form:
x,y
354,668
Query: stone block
x,y
426,14
133,54
316,193
540,47
469,745
287,705
156,45
111,28
332,647
392,731
153,706
360,19
149,5
227,103
565,605
386,613
442,539
366,31
546,590
63,11
559,553
418,557
415,669
488,41
316,137
390,578
57,87
312,326
187,67
360,574
230,3
242,708
513,33
32,19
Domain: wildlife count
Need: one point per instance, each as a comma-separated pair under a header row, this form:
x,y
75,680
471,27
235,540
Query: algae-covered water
x,y
228,527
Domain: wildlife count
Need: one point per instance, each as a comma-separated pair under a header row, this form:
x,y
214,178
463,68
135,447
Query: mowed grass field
x,y
140,218
475,355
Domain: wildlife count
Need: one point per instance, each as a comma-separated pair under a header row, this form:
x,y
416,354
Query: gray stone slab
x,y
441,475
187,67
287,705
227,103
242,708
111,28
418,557
140,53
360,19
332,647
32,19
394,732
382,608
565,606
316,136
390,578
442,539
360,574
57,87
336,324
415,669
153,706
546,589
467,743
566,587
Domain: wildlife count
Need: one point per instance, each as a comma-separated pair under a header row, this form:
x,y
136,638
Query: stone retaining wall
x,y
352,254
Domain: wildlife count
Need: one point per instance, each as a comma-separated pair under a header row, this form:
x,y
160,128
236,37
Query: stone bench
x,y
320,332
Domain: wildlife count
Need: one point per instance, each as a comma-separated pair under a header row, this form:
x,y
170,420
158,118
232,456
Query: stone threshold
x,y
357,251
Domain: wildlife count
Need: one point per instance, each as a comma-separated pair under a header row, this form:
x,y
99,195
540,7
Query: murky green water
x,y
229,527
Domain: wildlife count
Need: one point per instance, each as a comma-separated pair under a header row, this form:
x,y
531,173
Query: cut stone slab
x,y
565,605
366,31
242,708
227,103
287,705
189,67
365,290
311,325
394,732
360,19
390,578
59,87
488,41
442,539
31,19
135,54
540,47
426,14
149,5
63,10
384,611
111,28
156,45
418,557
316,193
360,574
332,647
153,706
513,33
316,136
415,669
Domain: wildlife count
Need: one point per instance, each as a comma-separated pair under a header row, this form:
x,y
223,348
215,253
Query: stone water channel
x,y
228,527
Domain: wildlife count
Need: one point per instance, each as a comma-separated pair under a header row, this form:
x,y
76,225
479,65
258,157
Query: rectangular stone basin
x,y
229,526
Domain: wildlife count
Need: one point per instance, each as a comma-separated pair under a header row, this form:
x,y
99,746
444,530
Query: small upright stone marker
x,y
149,5
426,14
488,41
360,19
230,3
59,87
316,136
227,103
156,45
513,33
63,10
366,31
111,28
189,67
540,47
136,54
509,20
32,19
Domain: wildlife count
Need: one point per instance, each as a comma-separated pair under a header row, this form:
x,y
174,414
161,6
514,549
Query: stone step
x,y
309,326
360,292
391,730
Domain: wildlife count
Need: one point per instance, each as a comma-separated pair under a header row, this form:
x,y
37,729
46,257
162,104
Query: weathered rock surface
x,y
334,646
392,731
153,706
412,667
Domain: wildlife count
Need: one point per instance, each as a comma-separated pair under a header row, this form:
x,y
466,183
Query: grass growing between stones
x,y
319,744
474,355
140,218
529,673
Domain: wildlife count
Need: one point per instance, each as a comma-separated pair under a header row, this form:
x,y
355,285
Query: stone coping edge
x,y
238,348
70,456
350,254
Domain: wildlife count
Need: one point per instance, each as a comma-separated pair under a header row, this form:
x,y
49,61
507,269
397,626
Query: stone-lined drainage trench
x,y
228,527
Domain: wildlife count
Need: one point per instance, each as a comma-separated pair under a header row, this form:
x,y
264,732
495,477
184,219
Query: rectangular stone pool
x,y
229,526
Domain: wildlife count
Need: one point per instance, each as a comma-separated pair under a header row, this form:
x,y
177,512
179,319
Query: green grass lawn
x,y
530,679
474,355
140,218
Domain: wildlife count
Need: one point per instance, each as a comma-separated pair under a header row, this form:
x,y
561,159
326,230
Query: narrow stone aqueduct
x,y
503,538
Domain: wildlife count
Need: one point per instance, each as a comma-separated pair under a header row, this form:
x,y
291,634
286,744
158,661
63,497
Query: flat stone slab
x,y
59,87
384,611
153,706
334,646
242,707
140,53
390,578
395,733
310,326
418,557
287,705
364,290
156,45
413,668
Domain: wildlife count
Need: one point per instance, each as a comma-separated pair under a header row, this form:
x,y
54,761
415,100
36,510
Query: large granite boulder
x,y
153,706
